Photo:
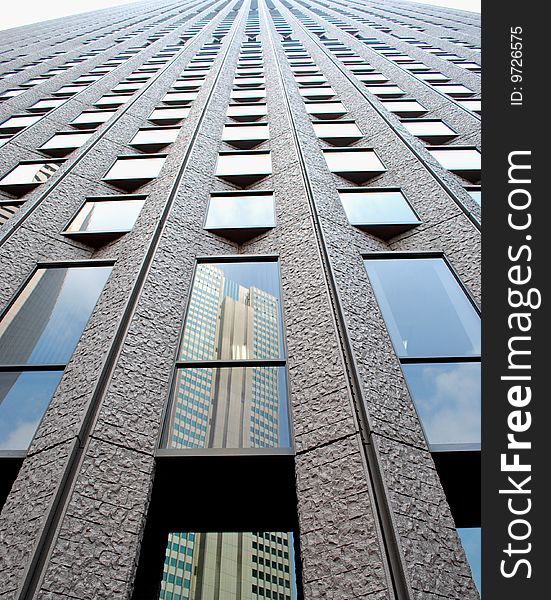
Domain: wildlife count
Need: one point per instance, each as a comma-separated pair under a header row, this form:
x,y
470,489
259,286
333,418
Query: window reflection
x,y
426,312
107,215
27,175
377,207
237,407
241,211
471,540
447,399
233,313
24,397
44,325
229,565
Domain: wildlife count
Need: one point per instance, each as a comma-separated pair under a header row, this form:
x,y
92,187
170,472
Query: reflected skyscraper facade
x,y
228,407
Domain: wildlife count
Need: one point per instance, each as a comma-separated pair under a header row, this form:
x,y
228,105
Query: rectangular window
x,y
245,136
426,311
38,334
227,565
108,100
385,91
465,162
153,139
255,95
431,131
317,93
230,385
325,110
18,122
179,98
64,143
91,119
169,116
131,172
27,175
384,213
405,108
338,133
244,168
246,112
103,219
46,105
240,216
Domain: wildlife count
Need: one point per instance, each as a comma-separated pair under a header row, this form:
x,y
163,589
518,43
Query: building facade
x,y
239,311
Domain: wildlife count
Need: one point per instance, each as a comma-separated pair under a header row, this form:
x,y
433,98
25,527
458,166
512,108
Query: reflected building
x,y
235,407
232,566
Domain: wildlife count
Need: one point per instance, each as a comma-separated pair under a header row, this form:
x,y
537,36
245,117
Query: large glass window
x,y
130,172
384,213
229,565
426,312
27,175
38,334
230,384
106,215
447,399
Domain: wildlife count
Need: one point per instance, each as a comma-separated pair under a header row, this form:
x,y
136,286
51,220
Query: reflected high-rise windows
x,y
229,565
230,385
38,334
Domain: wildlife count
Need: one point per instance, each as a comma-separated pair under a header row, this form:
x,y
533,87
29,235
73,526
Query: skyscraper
x,y
251,366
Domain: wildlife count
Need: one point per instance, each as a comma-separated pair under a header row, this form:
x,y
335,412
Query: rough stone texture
x,y
96,545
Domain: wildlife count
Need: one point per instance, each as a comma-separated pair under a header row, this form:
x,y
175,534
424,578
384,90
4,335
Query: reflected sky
x,y
23,400
234,312
241,211
107,215
471,541
426,312
447,398
229,565
46,322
